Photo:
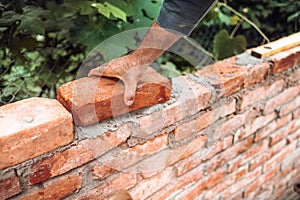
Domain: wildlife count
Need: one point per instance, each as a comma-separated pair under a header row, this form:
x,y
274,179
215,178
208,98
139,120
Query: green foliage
x,y
225,46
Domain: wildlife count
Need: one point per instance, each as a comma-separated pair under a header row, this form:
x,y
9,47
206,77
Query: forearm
x,y
154,44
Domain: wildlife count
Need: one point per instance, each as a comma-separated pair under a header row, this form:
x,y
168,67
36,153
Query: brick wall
x,y
229,131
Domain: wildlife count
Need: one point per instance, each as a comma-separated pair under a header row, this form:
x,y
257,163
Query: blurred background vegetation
x,y
43,43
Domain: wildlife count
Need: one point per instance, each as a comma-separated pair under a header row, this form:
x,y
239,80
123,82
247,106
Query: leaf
x,y
101,9
9,18
224,46
234,20
106,9
115,11
222,17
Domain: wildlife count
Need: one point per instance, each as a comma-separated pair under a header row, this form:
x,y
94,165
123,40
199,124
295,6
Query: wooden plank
x,y
276,46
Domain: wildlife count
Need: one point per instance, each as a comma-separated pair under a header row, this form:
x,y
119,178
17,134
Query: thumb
x,y
130,84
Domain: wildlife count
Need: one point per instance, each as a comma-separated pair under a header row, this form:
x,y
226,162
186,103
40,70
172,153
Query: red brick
x,y
263,92
241,184
259,122
295,76
277,158
56,189
286,59
259,160
149,186
109,187
205,184
179,183
283,97
94,99
186,129
9,185
228,154
256,74
296,113
100,172
249,154
290,106
270,128
231,124
35,122
168,157
192,96
224,75
226,182
294,136
77,155
283,132
127,157
184,151
194,160
218,147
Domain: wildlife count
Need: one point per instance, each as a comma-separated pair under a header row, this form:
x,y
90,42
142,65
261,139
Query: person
x,y
176,19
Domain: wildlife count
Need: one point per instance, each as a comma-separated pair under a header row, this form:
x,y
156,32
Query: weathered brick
x,y
248,155
233,123
294,136
295,76
290,106
256,74
9,185
275,160
177,184
109,187
225,75
204,184
226,182
283,132
94,99
149,186
32,127
259,122
263,92
234,188
259,160
228,154
260,180
56,189
270,128
124,158
194,160
296,113
77,155
192,96
285,59
169,156
186,129
184,151
283,97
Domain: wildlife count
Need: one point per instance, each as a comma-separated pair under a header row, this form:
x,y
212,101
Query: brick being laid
x,y
93,99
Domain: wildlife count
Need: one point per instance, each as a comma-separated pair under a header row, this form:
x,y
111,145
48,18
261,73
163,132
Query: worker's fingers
x,y
98,71
130,83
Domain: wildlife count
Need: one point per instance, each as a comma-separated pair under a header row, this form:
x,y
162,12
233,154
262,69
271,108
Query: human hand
x,y
124,68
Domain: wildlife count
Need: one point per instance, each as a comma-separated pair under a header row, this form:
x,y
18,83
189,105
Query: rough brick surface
x,y
108,188
225,76
56,189
9,185
32,127
286,59
77,155
93,99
